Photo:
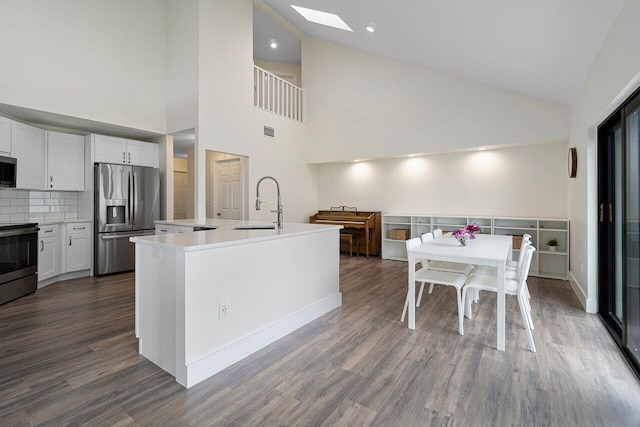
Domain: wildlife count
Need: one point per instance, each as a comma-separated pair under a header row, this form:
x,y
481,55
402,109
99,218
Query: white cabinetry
x,y
28,147
65,162
5,136
78,246
545,263
49,252
142,153
108,149
164,229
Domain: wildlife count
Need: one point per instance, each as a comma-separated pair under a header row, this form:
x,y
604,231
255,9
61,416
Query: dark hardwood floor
x,y
68,355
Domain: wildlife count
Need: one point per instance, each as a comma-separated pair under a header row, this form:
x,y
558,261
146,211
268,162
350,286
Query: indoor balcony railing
x,y
276,95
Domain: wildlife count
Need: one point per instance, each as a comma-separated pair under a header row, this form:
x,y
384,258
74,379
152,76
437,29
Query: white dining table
x,y
485,249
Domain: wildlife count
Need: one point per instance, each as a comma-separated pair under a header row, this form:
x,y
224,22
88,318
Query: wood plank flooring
x,y
68,356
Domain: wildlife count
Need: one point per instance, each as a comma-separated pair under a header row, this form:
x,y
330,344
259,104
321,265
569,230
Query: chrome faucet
x,y
258,202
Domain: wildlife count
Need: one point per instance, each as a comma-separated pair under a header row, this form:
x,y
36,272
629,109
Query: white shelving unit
x,y
545,263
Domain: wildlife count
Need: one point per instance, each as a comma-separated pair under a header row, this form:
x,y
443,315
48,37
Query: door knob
x,y
218,214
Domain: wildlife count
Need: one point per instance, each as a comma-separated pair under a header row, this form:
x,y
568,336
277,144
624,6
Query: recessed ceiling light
x,y
370,29
411,155
356,161
273,45
482,148
322,18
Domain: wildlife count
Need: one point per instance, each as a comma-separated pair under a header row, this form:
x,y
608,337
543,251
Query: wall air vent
x,y
269,131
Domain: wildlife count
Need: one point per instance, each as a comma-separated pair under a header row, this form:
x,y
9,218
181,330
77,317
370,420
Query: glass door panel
x,y
632,230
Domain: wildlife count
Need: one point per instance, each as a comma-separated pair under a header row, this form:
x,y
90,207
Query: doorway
x,y
619,227
227,186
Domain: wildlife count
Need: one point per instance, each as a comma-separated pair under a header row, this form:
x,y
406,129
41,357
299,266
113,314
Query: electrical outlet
x,y
223,309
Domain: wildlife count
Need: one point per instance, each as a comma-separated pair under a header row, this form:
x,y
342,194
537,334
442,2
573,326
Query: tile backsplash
x,y
26,205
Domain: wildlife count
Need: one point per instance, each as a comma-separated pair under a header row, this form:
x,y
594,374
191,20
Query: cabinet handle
x,y
78,228
124,157
69,240
601,212
41,245
50,181
129,157
48,231
610,212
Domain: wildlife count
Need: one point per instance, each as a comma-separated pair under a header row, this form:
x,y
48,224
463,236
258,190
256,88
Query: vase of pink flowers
x,y
464,234
473,229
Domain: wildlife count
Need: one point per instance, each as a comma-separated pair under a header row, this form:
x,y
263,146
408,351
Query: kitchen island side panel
x,y
262,283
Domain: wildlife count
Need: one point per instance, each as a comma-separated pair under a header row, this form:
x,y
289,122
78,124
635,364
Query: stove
x,y
18,260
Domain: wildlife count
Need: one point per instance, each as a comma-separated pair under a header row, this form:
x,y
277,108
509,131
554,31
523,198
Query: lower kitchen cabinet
x,y
49,264
63,249
78,246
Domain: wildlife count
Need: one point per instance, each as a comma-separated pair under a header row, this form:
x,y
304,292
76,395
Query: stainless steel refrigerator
x,y
127,204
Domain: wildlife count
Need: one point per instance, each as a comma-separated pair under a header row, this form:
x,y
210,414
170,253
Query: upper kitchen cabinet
x,y
125,151
28,147
5,136
65,162
108,149
143,153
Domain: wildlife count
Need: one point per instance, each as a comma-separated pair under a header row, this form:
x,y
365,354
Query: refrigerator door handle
x,y
129,198
134,201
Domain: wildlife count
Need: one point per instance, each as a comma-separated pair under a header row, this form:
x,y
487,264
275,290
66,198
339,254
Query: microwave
x,y
8,171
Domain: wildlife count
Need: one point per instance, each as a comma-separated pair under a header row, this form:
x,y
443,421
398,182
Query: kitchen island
x,y
207,299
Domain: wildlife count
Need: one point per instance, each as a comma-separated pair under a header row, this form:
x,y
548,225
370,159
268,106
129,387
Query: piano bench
x,y
348,237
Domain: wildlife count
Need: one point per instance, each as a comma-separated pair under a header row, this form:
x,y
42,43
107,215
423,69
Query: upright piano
x,y
366,224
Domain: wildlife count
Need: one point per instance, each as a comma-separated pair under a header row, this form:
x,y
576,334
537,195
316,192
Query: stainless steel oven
x,y
18,260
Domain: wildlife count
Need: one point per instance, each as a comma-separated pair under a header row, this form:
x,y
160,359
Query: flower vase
x,y
463,242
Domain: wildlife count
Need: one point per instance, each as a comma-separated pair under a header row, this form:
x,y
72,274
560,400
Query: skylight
x,y
322,18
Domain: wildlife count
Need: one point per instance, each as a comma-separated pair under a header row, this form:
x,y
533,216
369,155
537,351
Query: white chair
x,y
512,266
437,233
426,275
512,287
452,267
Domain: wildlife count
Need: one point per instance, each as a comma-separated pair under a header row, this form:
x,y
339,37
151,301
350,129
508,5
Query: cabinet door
x,y
142,153
78,248
28,146
48,258
108,149
65,162
5,136
164,229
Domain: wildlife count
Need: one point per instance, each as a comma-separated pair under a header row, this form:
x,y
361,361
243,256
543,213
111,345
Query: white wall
x,y
182,64
520,181
229,123
615,66
98,60
360,105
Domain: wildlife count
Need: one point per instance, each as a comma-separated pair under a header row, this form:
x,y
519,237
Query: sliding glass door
x,y
619,226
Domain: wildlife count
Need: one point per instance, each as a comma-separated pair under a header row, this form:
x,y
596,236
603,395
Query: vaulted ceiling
x,y
541,48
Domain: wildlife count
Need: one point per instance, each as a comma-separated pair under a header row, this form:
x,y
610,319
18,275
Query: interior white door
x,y
180,192
230,187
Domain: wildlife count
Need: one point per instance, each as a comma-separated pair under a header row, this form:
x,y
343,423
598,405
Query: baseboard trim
x,y
63,276
589,304
215,362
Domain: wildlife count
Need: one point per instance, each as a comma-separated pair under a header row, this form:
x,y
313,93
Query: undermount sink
x,y
255,227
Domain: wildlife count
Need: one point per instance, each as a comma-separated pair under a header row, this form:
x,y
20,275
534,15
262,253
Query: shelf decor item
x,y
399,234
553,244
462,235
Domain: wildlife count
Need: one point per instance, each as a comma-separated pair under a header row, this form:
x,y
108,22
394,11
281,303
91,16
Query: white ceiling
x,y
542,48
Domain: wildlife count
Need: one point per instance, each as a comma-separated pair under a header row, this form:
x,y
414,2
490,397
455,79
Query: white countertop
x,y
58,221
224,234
